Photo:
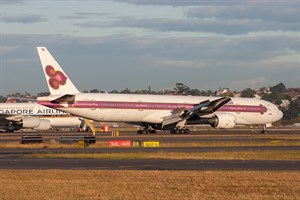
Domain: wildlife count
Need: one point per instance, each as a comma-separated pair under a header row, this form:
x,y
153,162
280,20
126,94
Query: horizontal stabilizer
x,y
62,100
65,99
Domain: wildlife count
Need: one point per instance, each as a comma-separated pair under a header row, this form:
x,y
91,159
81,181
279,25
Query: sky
x,y
135,44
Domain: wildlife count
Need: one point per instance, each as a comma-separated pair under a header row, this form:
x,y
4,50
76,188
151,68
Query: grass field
x,y
123,185
103,144
239,155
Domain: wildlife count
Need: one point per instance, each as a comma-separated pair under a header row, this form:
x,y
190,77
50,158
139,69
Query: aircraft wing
x,y
203,108
6,119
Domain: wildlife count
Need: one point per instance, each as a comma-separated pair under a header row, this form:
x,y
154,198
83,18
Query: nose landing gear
x,y
264,129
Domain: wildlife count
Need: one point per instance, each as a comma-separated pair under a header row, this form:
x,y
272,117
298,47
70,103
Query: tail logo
x,y
56,78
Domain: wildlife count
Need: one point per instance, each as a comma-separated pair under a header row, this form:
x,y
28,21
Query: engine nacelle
x,y
44,125
30,122
222,120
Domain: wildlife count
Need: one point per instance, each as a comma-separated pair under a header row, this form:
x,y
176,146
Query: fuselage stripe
x,y
152,106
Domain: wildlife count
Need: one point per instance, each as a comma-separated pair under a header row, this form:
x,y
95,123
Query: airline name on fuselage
x,y
31,112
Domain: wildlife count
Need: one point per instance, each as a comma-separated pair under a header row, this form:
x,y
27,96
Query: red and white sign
x,y
106,128
120,143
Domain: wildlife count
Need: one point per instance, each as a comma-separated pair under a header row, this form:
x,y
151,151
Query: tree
x,y
94,91
276,97
114,92
2,99
293,110
43,94
227,94
279,88
195,92
181,88
249,93
126,91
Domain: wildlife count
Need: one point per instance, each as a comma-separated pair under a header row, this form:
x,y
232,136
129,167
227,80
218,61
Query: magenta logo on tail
x,y
56,78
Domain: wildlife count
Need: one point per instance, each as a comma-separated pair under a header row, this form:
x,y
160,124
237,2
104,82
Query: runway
x,y
28,151
232,135
13,158
153,164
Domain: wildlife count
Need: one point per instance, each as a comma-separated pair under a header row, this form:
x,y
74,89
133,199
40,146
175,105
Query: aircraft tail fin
x,y
57,80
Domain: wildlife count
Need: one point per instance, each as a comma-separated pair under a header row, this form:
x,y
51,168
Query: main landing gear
x,y
180,131
146,131
150,130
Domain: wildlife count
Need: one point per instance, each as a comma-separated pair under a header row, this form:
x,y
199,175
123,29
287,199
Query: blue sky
x,y
129,43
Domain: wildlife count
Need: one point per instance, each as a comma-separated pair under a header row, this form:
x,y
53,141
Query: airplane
x,y
16,116
152,112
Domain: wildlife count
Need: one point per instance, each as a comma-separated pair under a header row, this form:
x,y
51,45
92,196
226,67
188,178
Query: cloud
x,y
23,19
221,17
263,12
219,26
211,2
86,15
254,83
120,61
11,2
7,49
171,64
171,2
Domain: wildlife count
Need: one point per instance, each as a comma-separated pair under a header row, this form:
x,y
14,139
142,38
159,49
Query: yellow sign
x,y
82,143
151,144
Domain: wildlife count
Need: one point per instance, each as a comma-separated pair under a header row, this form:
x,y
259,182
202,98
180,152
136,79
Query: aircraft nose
x,y
279,114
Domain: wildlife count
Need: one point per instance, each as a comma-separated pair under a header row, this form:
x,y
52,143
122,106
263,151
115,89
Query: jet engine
x,y
44,125
35,123
30,122
222,120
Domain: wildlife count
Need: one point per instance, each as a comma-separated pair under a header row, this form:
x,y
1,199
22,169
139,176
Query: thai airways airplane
x,y
15,116
152,112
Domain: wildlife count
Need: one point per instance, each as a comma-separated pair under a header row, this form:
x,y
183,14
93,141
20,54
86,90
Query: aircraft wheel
x,y
263,132
181,131
187,131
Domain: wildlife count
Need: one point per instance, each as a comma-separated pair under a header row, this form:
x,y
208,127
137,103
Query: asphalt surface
x,y
99,164
14,158
28,151
235,135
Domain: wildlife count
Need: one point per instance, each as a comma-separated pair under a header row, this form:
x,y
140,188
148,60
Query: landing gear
x,y
180,131
264,129
146,130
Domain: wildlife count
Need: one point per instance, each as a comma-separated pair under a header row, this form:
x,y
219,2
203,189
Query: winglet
x,y
57,80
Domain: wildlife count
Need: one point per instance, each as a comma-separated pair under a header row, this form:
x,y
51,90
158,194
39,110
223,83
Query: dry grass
x,y
239,155
53,144
130,185
233,144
